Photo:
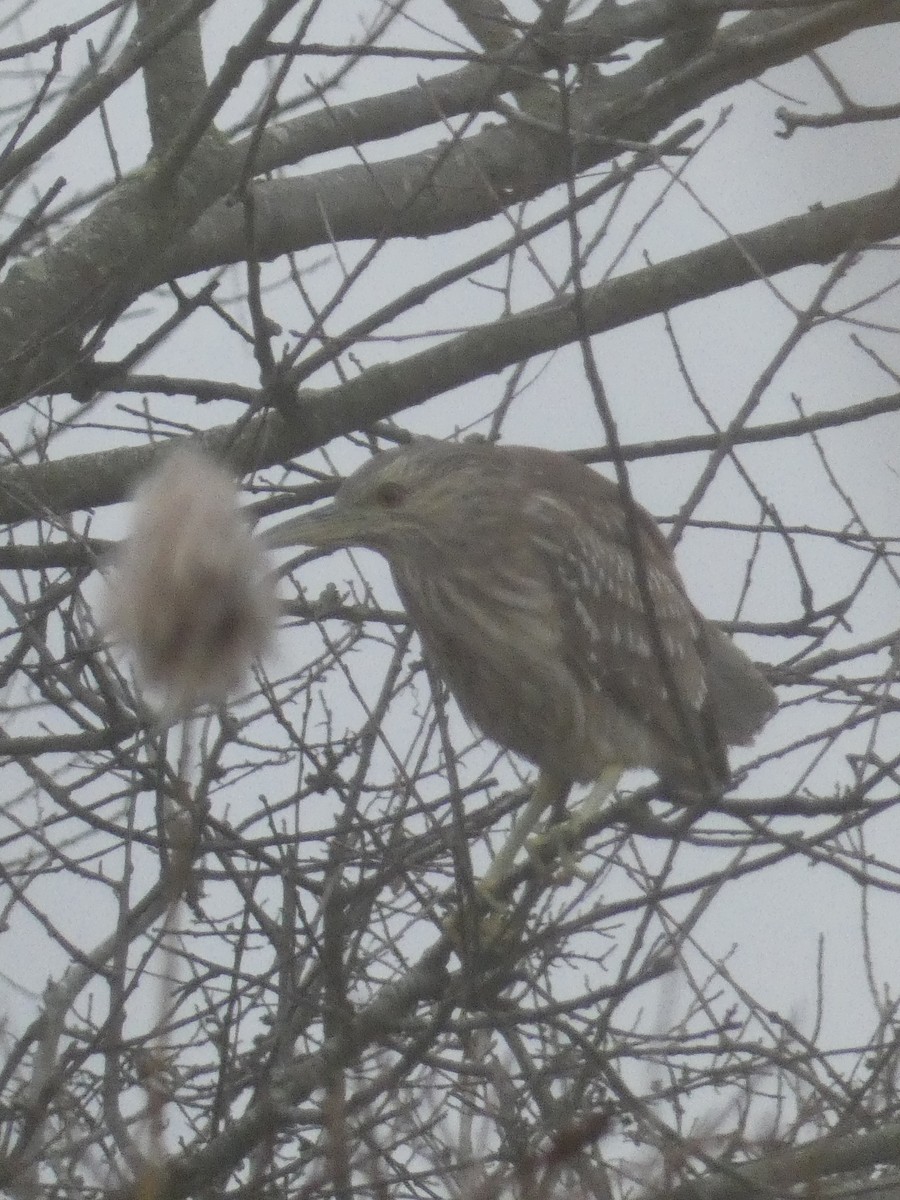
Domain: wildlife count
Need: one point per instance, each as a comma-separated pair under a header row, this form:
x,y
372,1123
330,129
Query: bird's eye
x,y
390,495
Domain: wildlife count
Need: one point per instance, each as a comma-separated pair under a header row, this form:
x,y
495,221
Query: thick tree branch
x,y
48,304
474,87
89,481
428,193
175,82
89,97
808,1164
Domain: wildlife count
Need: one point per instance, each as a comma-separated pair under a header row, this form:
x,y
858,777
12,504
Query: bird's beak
x,y
327,527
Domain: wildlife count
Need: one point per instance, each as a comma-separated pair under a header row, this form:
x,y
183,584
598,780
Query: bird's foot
x,y
556,852
486,892
485,922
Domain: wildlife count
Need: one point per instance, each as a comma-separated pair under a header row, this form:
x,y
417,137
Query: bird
x,y
551,606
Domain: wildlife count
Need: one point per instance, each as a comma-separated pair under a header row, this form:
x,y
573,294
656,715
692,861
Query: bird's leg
x,y
550,792
559,839
547,791
596,800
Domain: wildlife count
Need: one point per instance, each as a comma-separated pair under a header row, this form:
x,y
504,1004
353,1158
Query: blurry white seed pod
x,y
190,592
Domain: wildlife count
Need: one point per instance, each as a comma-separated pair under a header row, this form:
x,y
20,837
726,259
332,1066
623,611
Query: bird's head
x,y
428,494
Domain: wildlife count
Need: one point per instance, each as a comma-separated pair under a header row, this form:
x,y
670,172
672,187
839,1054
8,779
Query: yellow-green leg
x,y
560,839
547,791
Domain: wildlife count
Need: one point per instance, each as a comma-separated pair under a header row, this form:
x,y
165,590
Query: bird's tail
x,y
741,699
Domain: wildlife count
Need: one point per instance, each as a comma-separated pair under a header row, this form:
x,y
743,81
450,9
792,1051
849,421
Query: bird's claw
x,y
555,852
486,892
485,920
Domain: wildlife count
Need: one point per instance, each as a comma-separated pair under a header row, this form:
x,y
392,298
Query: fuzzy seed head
x,y
191,594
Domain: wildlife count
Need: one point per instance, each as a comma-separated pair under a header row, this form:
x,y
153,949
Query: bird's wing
x,y
630,632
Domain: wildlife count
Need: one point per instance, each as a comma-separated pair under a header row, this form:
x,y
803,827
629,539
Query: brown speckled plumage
x,y
518,568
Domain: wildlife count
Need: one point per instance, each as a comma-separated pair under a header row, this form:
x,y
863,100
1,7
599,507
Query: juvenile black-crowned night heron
x,y
554,612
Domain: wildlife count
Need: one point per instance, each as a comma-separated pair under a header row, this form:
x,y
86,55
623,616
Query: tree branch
x,y
819,236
